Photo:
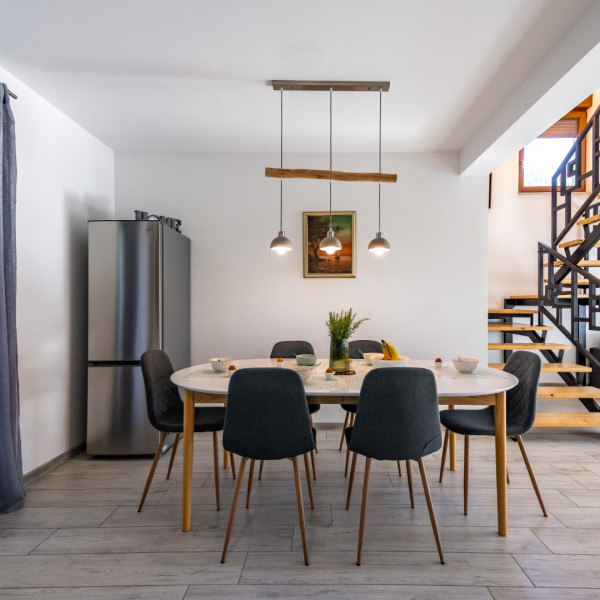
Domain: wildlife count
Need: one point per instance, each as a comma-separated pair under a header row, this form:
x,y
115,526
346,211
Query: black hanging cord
x,y
330,148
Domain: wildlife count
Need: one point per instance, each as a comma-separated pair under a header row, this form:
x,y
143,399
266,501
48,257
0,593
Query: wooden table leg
x,y
452,445
188,459
500,424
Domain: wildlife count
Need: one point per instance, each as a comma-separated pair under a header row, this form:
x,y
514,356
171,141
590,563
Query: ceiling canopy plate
x,y
336,86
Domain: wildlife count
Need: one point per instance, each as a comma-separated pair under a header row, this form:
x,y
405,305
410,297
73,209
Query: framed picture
x,y
320,264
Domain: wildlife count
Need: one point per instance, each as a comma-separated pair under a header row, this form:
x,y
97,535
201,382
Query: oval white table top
x,y
483,381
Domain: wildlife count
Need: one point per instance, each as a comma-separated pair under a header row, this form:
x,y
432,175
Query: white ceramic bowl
x,y
304,371
465,365
382,364
220,365
371,356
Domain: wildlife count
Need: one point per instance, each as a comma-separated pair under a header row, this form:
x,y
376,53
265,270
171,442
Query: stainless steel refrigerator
x,y
138,300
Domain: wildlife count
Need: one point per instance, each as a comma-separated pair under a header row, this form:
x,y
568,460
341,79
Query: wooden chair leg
x,y
216,461
236,496
250,478
466,477
312,462
363,510
300,509
531,475
348,451
444,452
344,430
507,475
410,485
173,452
232,461
161,442
260,470
351,482
308,482
312,424
399,468
432,518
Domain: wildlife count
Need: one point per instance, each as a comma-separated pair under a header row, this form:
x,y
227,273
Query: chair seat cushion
x,y
205,419
474,422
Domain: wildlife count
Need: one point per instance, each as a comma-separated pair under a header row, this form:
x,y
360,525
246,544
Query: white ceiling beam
x,y
567,75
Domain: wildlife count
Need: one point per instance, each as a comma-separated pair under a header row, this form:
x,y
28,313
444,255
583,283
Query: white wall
x,y
65,177
427,296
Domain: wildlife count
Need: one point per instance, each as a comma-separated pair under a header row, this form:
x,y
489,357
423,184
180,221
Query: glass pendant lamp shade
x,y
281,244
330,244
379,245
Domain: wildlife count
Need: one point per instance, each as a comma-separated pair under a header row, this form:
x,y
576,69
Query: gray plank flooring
x,y
80,536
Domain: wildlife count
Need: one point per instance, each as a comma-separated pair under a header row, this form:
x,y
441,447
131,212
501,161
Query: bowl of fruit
x,y
221,364
465,365
387,362
371,356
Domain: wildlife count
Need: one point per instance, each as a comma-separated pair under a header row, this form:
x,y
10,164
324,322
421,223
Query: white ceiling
x,y
192,75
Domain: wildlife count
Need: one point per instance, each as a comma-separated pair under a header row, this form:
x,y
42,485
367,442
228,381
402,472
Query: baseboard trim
x,y
52,464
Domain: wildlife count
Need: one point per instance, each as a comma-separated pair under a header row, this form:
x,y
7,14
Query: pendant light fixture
x,y
330,244
379,245
281,244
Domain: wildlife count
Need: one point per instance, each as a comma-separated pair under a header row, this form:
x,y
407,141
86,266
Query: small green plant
x,y
343,324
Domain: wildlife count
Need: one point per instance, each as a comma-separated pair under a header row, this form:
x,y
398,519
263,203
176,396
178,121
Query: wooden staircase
x,y
520,322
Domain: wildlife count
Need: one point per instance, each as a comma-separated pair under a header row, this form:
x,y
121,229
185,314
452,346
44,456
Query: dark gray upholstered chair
x,y
520,415
290,349
397,419
165,412
267,419
356,350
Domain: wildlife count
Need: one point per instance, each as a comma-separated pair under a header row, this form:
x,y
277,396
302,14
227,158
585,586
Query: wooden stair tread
x,y
581,263
508,327
567,419
527,346
575,243
512,311
567,281
589,220
553,367
568,391
524,297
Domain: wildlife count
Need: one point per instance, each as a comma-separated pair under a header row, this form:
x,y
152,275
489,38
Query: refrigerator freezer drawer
x,y
117,420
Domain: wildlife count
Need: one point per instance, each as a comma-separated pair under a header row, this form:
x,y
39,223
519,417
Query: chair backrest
x,y
397,417
289,349
162,395
521,400
267,415
357,347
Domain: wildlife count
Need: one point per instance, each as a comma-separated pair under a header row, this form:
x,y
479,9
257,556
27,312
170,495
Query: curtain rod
x,y
13,95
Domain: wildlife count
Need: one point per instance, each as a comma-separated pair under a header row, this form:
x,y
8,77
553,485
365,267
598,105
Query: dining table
x,y
201,384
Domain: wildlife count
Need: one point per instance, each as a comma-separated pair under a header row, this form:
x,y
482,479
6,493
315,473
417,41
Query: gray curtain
x,y
12,491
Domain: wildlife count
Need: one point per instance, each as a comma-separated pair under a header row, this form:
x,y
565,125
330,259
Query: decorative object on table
x,y
220,365
465,365
370,356
329,374
281,244
341,326
231,370
306,359
316,262
438,362
379,245
304,371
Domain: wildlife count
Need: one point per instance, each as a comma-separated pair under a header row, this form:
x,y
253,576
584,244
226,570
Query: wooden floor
x,y
80,535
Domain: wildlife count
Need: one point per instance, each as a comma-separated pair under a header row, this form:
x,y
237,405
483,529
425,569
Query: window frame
x,y
579,113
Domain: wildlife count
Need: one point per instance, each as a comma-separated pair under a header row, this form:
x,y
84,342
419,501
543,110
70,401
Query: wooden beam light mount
x,y
326,86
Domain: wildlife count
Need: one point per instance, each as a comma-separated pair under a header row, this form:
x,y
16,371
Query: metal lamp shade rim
x,y
281,244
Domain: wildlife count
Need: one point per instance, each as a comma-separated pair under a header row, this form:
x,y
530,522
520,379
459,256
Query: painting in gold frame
x,y
318,263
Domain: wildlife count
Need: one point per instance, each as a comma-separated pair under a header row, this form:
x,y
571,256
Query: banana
x,y
389,350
